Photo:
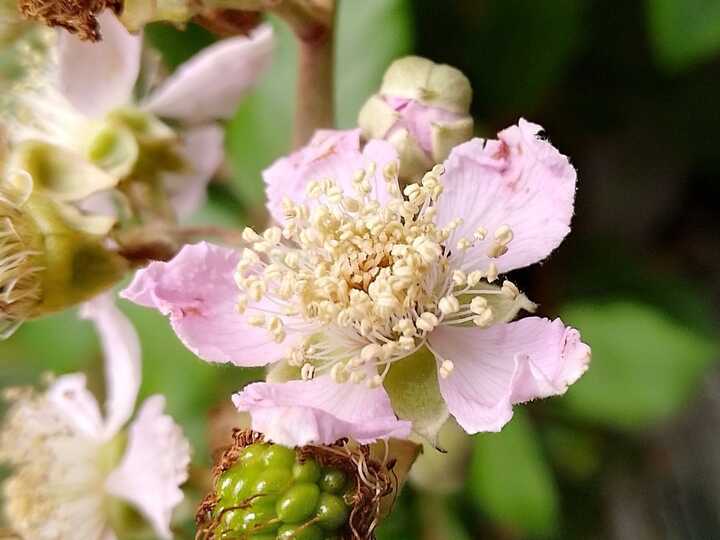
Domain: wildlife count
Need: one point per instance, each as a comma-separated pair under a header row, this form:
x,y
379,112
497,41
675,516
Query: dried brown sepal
x,y
229,22
76,16
373,481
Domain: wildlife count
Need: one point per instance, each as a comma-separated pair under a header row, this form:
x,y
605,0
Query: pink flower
x,y
70,461
362,286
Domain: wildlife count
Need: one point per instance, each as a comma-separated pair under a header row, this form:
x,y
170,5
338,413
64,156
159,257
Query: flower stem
x,y
313,25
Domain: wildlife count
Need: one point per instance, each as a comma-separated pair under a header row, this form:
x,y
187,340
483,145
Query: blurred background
x,y
629,90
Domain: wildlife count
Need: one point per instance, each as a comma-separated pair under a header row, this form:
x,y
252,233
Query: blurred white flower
x,y
73,467
84,100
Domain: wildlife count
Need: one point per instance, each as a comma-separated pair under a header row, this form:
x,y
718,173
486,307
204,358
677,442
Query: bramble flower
x,y
379,298
423,109
52,255
82,100
75,471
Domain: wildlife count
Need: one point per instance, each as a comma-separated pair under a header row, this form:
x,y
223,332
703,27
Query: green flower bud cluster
x,y
270,493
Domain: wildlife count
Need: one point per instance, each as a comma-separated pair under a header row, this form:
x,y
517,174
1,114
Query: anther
x,y
307,372
449,305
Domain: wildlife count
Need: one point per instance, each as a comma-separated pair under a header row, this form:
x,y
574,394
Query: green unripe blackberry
x,y
298,503
270,492
333,481
332,512
308,471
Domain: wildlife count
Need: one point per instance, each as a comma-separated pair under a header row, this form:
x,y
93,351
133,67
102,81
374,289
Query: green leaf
x,y
175,45
412,385
645,364
371,35
510,480
261,131
684,32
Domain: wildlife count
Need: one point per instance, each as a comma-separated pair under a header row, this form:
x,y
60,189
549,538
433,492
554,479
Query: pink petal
x,y
520,181
210,85
203,152
154,466
332,155
121,350
322,411
418,119
71,398
506,364
197,291
97,77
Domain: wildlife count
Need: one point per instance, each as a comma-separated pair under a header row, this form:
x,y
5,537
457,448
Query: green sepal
x,y
412,384
114,149
60,173
76,264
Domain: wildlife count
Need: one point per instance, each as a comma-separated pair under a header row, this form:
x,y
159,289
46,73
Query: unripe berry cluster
x,y
271,493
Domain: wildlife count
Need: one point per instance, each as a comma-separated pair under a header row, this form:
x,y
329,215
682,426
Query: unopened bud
x,y
422,109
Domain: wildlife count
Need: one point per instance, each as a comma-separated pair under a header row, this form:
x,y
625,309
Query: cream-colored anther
x,y
406,343
256,319
357,377
449,305
405,327
480,233
510,289
250,236
429,251
370,352
241,304
390,171
503,235
273,235
292,260
484,319
307,372
339,373
446,367
478,305
275,324
464,244
427,322
256,289
351,205
459,278
474,277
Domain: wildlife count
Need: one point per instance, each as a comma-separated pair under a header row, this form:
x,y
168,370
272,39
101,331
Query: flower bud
x,y
53,257
422,109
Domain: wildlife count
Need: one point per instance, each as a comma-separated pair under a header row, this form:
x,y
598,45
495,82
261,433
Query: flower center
x,y
366,278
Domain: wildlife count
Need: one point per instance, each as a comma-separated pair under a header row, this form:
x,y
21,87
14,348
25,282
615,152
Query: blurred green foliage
x,y
511,482
684,33
647,364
